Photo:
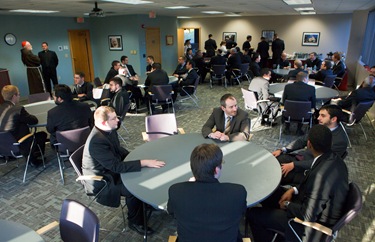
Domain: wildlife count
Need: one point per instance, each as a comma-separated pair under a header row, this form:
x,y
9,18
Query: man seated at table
x,y
103,156
15,119
82,90
68,114
299,91
115,66
260,86
233,62
200,65
284,63
231,123
188,79
205,209
322,73
295,159
120,98
157,76
297,68
254,65
314,62
181,67
218,59
319,198
130,80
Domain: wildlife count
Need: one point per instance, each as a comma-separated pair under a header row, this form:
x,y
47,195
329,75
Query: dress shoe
x,y
300,132
140,229
35,163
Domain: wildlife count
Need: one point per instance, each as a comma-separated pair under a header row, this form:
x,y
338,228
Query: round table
x,y
245,163
282,72
321,92
40,109
16,232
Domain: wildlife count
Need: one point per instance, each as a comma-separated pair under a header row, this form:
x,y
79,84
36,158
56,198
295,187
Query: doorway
x,y
188,33
81,54
153,43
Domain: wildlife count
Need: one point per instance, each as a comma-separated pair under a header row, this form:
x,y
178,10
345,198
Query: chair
x,y
218,73
341,83
357,114
329,81
161,95
296,111
161,125
98,82
242,72
173,238
77,223
67,142
38,97
352,207
190,92
121,118
10,147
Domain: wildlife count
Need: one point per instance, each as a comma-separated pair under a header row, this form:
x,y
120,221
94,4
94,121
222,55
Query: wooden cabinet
x,y
4,80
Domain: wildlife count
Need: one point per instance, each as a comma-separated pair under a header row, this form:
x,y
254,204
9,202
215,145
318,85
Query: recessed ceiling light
x,y
183,17
297,2
32,11
177,7
232,15
134,2
308,13
212,12
304,9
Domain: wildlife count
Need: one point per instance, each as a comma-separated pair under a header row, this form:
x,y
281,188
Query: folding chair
x,y
161,125
121,118
218,73
190,92
161,95
239,73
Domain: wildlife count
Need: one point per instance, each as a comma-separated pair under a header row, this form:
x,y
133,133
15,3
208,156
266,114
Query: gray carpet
x,y
38,201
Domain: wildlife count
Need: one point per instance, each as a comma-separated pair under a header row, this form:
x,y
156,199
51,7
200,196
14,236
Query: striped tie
x,y
227,126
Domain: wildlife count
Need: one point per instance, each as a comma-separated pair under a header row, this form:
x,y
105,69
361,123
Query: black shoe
x,y
140,229
300,132
36,163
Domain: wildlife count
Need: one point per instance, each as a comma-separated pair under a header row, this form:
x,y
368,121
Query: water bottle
x,y
314,68
278,67
290,65
305,66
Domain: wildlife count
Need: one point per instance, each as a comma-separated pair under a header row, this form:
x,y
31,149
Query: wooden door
x,y
81,54
180,42
153,43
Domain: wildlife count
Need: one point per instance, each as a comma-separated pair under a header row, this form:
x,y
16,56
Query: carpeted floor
x,y
38,201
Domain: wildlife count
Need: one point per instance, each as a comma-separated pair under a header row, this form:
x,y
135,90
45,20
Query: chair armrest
x,y
246,240
347,111
24,138
317,81
145,137
315,226
235,69
105,100
90,177
172,238
263,101
338,78
47,228
181,130
76,99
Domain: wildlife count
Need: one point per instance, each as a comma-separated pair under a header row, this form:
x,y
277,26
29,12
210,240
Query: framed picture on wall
x,y
169,39
268,34
115,42
310,38
230,35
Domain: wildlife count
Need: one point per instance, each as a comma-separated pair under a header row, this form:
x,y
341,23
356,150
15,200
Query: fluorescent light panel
x,y
304,9
308,13
212,12
177,7
32,11
134,2
232,15
183,17
297,2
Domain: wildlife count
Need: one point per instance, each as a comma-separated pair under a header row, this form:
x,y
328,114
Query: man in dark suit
x,y
121,96
246,44
323,72
82,90
131,80
181,67
231,123
210,46
103,156
278,47
297,68
113,71
201,65
68,114
262,50
205,209
49,62
319,198
254,65
295,159
338,66
157,76
234,62
218,59
314,61
15,119
188,80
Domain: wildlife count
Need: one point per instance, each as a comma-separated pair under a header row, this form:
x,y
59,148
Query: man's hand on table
x,y
276,153
152,163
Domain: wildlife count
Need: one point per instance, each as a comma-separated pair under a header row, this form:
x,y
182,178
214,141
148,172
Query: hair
x,y
156,66
186,41
114,63
224,98
301,76
328,64
187,50
314,53
275,36
238,49
248,37
320,138
255,56
372,67
191,62
101,113
210,35
80,74
262,38
116,80
337,56
333,111
64,92
9,91
298,63
151,57
123,58
222,43
264,71
45,43
234,50
183,57
219,51
204,159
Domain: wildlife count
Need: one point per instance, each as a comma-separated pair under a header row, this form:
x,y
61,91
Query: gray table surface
x,y
321,92
40,109
16,232
245,163
282,72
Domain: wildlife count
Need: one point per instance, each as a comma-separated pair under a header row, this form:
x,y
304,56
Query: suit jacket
x,y
260,86
299,91
218,60
111,74
322,193
317,63
207,210
293,73
210,47
338,69
339,145
180,69
284,63
15,119
119,101
48,59
239,126
255,68
363,94
86,88
157,77
68,116
103,156
262,49
278,47
321,75
234,61
190,79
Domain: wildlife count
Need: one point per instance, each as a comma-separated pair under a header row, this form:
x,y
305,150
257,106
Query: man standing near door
x,y
49,62
210,46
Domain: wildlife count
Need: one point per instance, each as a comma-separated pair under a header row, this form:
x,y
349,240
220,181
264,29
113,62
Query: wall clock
x,y
10,39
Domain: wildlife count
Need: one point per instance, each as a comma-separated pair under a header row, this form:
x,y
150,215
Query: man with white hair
x,y
34,73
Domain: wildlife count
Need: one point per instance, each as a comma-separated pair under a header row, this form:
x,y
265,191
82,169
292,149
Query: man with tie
x,y
82,90
49,62
231,123
319,198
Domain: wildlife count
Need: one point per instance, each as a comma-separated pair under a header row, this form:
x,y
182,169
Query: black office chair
x,y
329,81
218,74
189,92
161,95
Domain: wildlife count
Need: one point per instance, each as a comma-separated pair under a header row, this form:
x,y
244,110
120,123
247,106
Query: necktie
x,y
227,126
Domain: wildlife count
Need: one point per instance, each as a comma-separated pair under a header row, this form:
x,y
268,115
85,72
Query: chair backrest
x,y
360,110
244,68
7,147
353,205
76,160
160,125
161,93
97,93
250,99
125,111
71,140
78,223
329,80
218,69
38,97
297,110
97,82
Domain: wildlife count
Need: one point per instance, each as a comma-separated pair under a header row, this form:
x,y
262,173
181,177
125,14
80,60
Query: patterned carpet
x,y
38,201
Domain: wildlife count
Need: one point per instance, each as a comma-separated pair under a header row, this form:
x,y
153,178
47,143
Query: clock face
x,y
10,39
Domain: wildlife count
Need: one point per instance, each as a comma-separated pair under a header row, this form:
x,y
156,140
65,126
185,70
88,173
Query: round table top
x,y
16,232
40,109
282,72
321,92
245,163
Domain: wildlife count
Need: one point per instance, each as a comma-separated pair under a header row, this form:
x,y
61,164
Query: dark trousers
x,y
49,74
135,206
295,176
40,139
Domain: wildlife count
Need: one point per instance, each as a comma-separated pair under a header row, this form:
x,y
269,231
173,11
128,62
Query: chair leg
x,y
281,127
346,133
123,215
60,167
363,130
28,159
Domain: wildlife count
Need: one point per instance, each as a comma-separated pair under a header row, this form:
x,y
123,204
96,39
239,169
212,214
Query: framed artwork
x,y
310,38
115,42
230,35
169,39
268,34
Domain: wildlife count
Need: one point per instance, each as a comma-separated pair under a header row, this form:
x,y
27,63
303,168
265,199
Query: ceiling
x,y
73,8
